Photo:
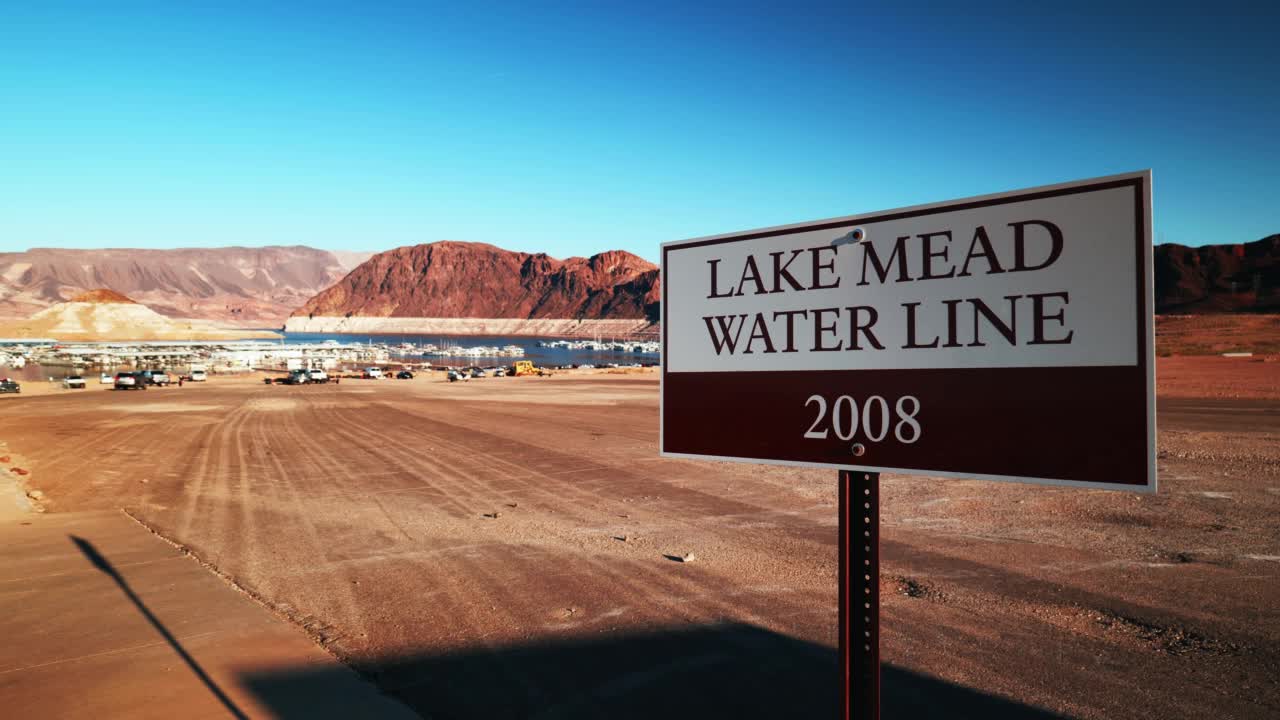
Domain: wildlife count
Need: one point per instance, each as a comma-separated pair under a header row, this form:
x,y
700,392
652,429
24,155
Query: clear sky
x,y
575,128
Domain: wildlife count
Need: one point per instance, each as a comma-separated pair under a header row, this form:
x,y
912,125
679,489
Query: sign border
x,y
1140,181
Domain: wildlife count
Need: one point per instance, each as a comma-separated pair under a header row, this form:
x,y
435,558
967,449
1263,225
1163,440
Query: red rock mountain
x,y
103,296
1218,278
475,280
255,287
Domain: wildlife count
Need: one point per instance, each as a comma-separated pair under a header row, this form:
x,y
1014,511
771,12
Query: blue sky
x,y
576,128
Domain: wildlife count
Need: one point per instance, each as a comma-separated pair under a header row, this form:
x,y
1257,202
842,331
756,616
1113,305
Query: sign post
x,y
996,337
859,595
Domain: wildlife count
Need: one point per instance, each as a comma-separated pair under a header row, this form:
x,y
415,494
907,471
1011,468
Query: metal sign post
x,y
859,595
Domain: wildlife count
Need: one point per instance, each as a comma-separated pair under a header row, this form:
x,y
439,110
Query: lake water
x,y
539,355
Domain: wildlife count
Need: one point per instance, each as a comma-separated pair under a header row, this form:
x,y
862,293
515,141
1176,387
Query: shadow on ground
x,y
729,670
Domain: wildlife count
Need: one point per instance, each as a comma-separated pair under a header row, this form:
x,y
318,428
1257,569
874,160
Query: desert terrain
x,y
105,315
511,548
1257,333
238,286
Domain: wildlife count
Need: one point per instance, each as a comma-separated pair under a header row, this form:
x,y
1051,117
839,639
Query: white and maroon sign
x,y
1002,337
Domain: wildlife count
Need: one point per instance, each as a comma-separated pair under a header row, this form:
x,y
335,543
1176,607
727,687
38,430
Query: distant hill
x,y
248,287
105,315
1218,278
475,280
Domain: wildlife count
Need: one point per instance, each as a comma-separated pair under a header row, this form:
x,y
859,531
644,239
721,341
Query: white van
x,y
373,372
198,376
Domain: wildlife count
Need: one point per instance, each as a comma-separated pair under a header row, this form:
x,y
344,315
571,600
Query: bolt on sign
x,y
1002,337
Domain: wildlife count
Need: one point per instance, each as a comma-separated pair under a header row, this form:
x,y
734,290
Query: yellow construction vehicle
x,y
525,367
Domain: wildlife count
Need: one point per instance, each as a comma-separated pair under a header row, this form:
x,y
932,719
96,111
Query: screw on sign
x,y
987,338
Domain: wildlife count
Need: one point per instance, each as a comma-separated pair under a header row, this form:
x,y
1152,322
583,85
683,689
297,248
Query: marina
x,y
495,349
32,359
642,347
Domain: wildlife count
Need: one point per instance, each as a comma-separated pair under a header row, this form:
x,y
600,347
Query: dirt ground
x,y
510,548
1216,334
1251,378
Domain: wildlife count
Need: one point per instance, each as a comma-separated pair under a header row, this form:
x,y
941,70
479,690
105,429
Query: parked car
x,y
372,373
73,382
106,379
9,385
404,375
478,372
198,376
154,377
318,376
297,377
500,372
455,375
130,381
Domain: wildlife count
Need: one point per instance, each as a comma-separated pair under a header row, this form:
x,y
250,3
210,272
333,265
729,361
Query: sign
x,y
1002,337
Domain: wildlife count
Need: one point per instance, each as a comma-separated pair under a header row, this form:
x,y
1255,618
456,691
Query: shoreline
x,y
463,327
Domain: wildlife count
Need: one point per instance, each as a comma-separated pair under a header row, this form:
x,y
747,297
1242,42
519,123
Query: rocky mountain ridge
x,y
474,280
254,287
1218,278
458,280
451,282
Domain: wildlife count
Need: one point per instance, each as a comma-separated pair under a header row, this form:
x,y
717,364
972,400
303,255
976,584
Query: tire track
x,y
85,456
639,592
565,497
193,480
348,608
570,497
426,470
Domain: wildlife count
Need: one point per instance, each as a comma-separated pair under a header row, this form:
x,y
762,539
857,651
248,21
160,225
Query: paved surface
x,y
1217,415
123,625
501,548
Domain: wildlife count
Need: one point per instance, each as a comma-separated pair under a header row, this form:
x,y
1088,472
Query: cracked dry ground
x,y
498,549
